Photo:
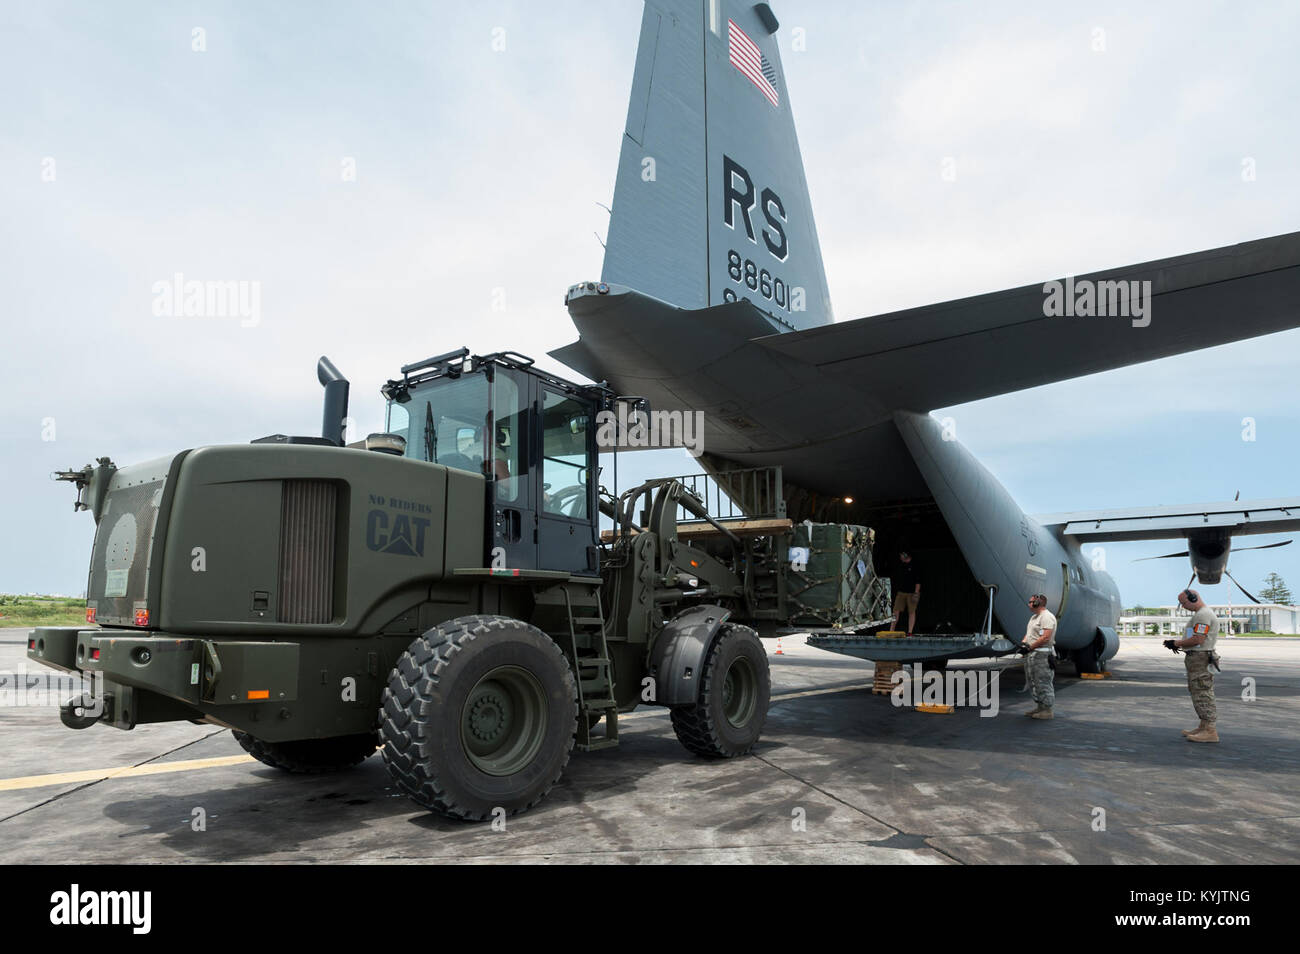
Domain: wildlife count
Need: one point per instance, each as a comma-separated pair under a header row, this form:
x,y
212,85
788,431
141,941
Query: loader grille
x,y
308,520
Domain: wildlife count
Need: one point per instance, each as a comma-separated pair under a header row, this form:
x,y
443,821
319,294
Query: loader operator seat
x,y
459,461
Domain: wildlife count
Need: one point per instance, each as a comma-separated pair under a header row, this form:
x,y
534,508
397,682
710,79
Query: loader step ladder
x,y
594,678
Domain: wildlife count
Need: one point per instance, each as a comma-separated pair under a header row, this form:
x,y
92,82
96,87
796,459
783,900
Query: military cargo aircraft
x,y
712,242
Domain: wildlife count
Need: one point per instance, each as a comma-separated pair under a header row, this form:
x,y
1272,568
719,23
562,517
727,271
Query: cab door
x,y
511,450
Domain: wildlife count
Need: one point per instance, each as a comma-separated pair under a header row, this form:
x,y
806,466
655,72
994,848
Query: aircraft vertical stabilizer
x,y
711,204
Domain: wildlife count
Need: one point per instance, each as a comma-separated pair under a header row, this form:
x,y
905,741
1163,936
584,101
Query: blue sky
x,y
478,177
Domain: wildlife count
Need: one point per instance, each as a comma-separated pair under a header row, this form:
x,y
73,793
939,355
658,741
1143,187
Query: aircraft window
x,y
566,457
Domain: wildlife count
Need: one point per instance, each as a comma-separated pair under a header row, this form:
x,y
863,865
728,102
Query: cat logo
x,y
399,533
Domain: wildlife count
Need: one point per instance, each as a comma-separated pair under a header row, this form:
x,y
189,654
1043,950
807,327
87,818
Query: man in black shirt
x,y
907,590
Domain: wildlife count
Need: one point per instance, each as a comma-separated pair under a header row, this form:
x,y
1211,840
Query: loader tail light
x,y
259,693
31,643
142,617
94,653
90,614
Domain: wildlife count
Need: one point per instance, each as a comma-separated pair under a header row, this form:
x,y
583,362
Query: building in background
x,y
1251,618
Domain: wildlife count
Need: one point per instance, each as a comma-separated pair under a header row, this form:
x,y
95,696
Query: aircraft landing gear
x,y
1088,659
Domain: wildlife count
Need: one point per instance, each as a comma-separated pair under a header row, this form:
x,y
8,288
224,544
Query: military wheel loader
x,y
441,591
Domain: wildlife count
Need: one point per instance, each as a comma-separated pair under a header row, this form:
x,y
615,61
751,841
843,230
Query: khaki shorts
x,y
906,601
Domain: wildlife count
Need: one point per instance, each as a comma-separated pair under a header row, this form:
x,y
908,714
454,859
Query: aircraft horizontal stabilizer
x,y
1232,517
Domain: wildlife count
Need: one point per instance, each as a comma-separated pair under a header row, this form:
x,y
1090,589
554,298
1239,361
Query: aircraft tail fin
x,y
711,203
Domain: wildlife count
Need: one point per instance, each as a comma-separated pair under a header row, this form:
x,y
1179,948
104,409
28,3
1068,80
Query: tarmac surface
x,y
840,775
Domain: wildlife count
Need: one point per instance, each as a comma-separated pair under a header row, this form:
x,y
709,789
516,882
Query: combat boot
x,y
1200,726
1208,733
1043,713
1034,711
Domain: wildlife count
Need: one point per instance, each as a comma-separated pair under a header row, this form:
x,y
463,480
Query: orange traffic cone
x,y
778,647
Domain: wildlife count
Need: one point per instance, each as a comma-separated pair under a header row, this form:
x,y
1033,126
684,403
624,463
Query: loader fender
x,y
677,659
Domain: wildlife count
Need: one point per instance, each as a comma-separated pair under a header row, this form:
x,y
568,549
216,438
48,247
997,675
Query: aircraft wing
x,y
958,351
1177,521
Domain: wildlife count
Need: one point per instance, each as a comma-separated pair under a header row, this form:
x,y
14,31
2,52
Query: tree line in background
x,y
1275,591
18,611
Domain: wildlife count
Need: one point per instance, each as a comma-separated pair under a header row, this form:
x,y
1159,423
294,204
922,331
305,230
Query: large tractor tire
x,y
479,716
310,756
727,718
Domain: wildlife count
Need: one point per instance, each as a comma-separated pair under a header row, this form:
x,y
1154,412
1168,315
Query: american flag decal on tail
x,y
749,59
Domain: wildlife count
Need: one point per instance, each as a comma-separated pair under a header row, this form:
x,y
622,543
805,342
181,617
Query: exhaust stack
x,y
336,400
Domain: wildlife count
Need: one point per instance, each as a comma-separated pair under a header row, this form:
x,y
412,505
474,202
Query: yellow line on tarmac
x,y
126,771
160,768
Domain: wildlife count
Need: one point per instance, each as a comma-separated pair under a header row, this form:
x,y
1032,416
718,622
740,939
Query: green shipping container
x,y
838,587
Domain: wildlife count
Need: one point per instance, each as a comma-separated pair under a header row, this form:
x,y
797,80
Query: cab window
x,y
447,423
398,421
566,455
510,442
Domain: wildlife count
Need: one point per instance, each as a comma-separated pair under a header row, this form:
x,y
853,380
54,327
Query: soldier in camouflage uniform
x,y
1198,645
1038,645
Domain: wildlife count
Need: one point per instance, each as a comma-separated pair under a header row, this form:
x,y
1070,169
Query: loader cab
x,y
530,435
